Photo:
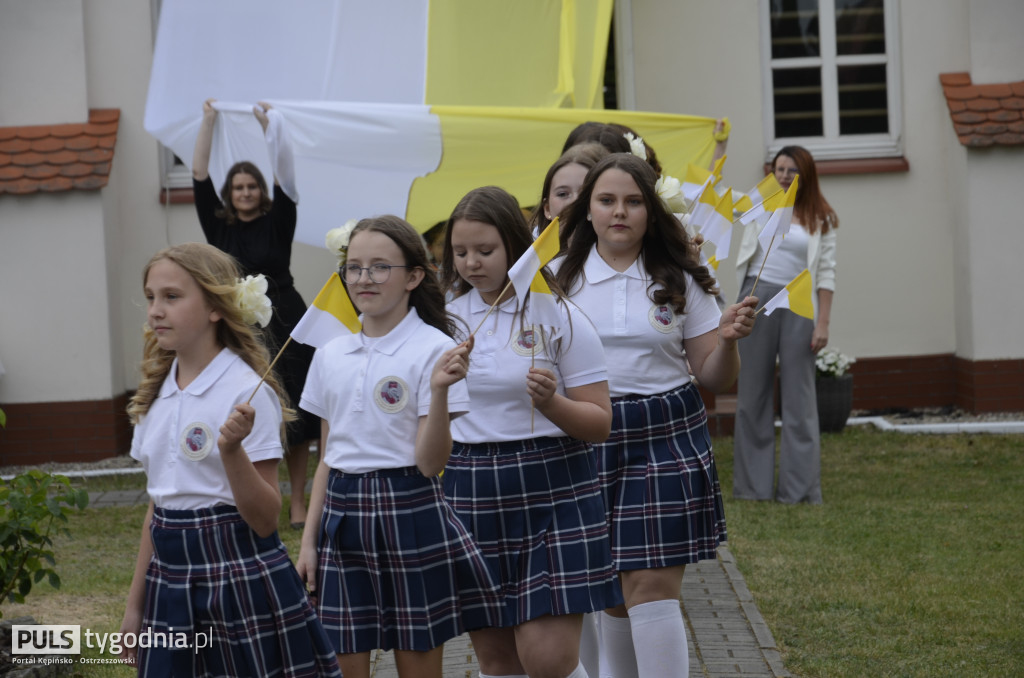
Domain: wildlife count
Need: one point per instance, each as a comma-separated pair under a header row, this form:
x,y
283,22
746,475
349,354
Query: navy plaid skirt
x,y
397,568
659,481
216,581
535,509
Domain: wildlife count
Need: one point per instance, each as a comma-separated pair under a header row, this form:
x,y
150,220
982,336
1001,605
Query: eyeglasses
x,y
377,273
786,171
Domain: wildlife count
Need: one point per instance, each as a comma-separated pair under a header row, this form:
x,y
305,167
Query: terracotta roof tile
x,y
955,79
982,115
55,158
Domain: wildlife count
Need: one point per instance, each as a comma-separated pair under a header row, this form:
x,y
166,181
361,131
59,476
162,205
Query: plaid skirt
x,y
397,568
535,509
234,595
659,481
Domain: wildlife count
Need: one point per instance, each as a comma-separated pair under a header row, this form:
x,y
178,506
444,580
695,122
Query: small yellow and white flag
x,y
694,182
781,219
760,197
330,315
796,296
543,250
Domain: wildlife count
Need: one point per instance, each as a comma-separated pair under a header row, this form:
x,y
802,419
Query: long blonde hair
x,y
216,273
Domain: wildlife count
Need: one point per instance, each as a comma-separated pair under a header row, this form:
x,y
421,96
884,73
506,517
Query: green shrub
x,y
33,506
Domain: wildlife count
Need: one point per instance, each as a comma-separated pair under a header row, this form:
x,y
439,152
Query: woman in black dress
x,y
258,232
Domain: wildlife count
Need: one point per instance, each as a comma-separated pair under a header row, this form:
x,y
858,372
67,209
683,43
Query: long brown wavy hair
x,y
227,211
216,274
427,297
811,208
666,250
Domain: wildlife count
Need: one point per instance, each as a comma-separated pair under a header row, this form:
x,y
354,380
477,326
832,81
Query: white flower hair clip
x,y
337,240
252,300
671,193
636,146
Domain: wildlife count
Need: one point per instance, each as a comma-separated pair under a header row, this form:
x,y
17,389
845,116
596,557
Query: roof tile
x,y
82,142
1004,115
956,79
985,114
983,105
78,169
42,171
55,158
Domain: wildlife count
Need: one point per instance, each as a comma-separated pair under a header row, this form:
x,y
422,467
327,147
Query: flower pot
x,y
835,401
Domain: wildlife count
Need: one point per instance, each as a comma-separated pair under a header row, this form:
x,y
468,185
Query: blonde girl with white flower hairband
x,y
210,564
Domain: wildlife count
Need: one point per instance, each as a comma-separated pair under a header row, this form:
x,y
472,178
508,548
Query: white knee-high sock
x,y
590,645
618,658
659,637
580,672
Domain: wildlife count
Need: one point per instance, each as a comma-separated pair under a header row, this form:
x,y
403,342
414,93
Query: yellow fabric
x,y
545,53
333,299
767,187
547,243
724,206
800,295
514,147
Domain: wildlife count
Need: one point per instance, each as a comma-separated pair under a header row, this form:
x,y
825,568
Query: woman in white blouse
x,y
791,339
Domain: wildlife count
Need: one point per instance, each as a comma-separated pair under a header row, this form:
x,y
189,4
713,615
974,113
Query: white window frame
x,y
831,145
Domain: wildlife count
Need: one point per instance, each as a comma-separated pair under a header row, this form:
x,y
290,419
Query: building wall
x,y
42,72
55,328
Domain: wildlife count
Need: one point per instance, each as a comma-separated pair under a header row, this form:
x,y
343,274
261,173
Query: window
x,y
831,77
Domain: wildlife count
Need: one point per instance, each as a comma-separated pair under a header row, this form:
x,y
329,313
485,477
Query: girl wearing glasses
x,y
389,563
789,339
258,233
522,473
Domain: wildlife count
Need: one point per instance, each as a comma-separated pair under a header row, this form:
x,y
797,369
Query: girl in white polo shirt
x,y
390,564
632,270
526,484
211,567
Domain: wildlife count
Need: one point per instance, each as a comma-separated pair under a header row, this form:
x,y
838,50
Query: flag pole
x,y
265,374
533,353
763,262
493,306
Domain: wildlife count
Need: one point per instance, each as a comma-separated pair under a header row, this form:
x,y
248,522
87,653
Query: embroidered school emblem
x,y
662,318
196,441
528,342
391,394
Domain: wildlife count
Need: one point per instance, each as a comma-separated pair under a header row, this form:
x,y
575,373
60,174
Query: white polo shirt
x,y
500,362
643,341
176,441
373,391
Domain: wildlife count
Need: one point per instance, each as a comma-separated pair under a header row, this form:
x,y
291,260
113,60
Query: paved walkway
x,y
725,632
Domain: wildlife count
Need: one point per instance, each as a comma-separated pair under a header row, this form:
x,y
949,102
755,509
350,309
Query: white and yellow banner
x,y
396,106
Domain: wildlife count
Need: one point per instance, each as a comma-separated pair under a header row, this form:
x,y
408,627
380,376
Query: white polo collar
x,y
207,378
597,269
390,342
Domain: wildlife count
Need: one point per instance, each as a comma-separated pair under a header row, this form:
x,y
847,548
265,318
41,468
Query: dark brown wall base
x,y
92,430
74,431
909,382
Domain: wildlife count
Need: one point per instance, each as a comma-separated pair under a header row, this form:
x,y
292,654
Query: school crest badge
x,y
662,318
528,342
196,441
391,394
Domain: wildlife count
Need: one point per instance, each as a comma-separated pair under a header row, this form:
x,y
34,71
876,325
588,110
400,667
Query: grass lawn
x,y
910,568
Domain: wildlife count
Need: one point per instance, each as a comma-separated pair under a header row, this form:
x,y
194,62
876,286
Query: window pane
x,y
860,27
794,28
863,100
797,93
